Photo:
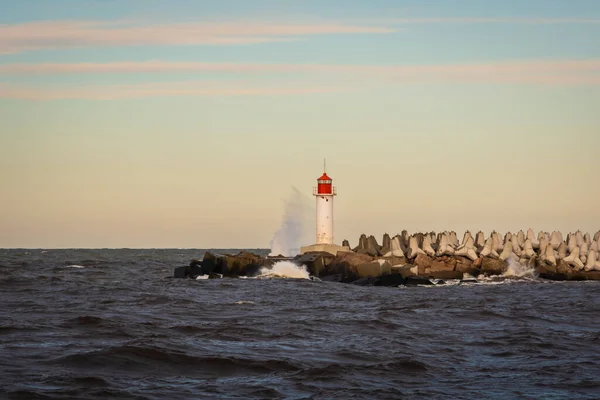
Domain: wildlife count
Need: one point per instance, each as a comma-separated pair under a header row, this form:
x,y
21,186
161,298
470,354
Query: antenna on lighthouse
x,y
324,165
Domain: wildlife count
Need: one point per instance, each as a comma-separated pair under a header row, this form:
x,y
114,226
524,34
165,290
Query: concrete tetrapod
x,y
521,238
555,240
413,248
427,245
507,252
396,248
594,246
489,250
543,244
597,236
444,248
497,242
516,248
583,252
573,259
479,240
562,251
592,260
528,251
467,249
541,235
531,236
587,239
466,237
548,255
571,242
453,239
579,238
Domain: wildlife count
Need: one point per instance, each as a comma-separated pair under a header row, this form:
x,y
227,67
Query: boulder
x,y
189,271
209,262
333,278
374,269
545,270
314,262
368,281
345,263
404,270
236,265
391,280
423,261
588,275
564,270
466,266
446,275
393,260
180,272
441,266
493,266
417,280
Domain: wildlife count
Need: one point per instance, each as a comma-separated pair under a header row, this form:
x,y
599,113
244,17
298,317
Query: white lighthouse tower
x,y
324,192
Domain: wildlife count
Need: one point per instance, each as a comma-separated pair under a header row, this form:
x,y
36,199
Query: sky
x,y
188,123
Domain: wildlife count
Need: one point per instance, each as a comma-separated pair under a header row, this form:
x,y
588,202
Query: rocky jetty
x,y
422,257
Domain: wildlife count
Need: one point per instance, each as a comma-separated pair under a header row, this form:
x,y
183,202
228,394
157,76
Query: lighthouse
x,y
324,193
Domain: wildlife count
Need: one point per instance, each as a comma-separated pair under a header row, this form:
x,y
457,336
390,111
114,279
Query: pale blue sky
x,y
152,123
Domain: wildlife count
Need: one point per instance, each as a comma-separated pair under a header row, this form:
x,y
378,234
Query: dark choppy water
x,y
120,328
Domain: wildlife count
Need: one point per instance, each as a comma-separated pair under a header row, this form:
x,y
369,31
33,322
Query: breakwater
x,y
406,258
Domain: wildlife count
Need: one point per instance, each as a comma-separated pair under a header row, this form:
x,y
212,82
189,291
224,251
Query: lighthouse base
x,y
329,248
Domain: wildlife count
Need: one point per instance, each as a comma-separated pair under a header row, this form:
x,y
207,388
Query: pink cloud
x,y
149,90
516,71
68,34
492,20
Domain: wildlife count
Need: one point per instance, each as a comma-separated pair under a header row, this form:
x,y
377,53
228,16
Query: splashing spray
x,y
284,269
518,270
294,229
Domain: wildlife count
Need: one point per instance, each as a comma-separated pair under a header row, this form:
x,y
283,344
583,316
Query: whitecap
x,y
284,269
74,266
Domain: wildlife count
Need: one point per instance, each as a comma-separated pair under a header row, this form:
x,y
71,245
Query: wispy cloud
x,y
559,72
150,90
492,20
157,66
15,38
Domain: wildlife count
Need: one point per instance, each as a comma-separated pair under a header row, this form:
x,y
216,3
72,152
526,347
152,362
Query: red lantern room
x,y
324,185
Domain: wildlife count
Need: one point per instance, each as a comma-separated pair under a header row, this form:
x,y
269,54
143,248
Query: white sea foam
x,y
74,266
244,302
517,270
200,277
284,269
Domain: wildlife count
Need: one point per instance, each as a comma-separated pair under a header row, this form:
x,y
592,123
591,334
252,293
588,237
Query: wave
x,y
517,270
284,269
144,359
